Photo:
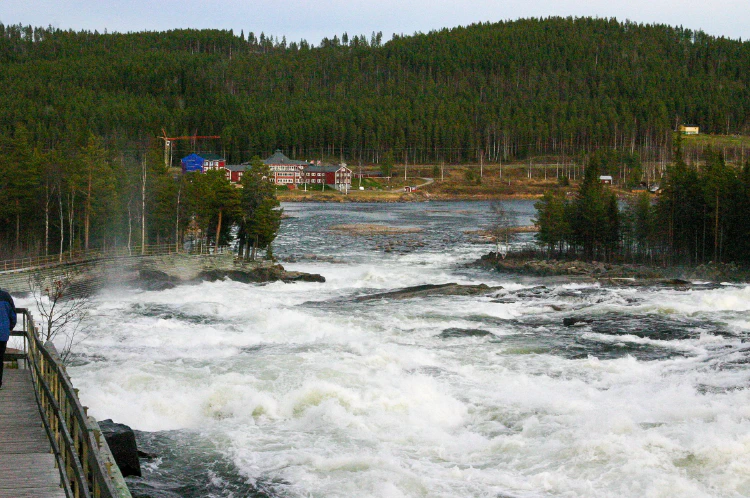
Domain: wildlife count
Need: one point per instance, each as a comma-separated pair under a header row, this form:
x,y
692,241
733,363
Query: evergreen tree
x,y
552,221
260,213
589,224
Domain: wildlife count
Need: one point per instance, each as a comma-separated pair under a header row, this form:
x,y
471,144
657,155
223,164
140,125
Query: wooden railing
x,y
83,256
87,468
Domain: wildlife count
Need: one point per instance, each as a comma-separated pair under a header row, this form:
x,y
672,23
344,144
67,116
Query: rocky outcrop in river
x,y
121,441
153,273
430,290
163,275
260,275
613,273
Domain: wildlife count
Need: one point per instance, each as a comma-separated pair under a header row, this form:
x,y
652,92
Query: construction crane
x,y
168,144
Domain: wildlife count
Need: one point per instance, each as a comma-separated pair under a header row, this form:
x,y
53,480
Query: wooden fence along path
x,y
49,446
82,256
27,464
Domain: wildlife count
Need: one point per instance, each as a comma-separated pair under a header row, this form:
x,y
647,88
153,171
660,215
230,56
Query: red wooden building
x,y
289,172
339,176
285,171
235,172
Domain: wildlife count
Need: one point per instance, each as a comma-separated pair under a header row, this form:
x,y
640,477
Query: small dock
x,y
28,467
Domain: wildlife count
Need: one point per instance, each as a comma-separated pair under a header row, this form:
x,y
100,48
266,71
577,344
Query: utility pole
x,y
177,220
406,164
716,229
143,208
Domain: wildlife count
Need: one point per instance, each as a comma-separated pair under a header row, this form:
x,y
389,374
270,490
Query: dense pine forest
x,y
80,112
507,89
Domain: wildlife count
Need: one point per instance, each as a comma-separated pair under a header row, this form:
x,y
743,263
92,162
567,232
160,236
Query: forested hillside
x,y
508,89
81,166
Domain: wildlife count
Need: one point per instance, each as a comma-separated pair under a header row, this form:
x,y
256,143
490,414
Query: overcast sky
x,y
313,20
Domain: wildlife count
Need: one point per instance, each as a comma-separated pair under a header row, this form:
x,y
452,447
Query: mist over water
x,y
291,390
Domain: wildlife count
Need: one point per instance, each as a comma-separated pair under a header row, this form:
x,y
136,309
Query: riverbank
x,y
625,274
513,184
377,196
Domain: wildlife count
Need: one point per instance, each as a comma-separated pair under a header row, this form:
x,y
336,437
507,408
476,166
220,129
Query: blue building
x,y
200,163
192,163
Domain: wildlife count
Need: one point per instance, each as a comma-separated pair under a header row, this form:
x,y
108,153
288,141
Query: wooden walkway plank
x,y
38,492
28,465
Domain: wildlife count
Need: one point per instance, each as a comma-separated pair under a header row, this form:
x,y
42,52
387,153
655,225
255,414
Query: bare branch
x,y
500,228
62,311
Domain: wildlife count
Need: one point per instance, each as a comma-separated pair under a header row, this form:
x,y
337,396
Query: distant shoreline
x,y
387,198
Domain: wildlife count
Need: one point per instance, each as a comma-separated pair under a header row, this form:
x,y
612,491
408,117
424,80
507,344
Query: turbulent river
x,y
299,390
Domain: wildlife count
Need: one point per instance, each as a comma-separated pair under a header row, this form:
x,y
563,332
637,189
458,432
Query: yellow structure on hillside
x,y
689,129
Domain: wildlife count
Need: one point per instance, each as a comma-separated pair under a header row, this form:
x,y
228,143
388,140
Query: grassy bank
x,y
464,182
527,179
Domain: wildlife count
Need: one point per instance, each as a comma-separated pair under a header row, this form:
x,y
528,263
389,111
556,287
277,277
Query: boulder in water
x,y
260,274
299,276
154,280
121,441
428,290
574,321
456,332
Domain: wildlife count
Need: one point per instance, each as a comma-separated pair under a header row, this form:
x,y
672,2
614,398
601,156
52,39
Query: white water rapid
x,y
297,390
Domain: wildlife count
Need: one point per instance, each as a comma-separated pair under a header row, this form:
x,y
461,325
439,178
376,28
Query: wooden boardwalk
x,y
27,464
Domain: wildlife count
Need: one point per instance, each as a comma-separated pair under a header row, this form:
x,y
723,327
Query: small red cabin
x,y
235,171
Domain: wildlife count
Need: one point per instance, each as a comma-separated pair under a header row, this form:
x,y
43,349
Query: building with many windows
x,y
285,171
292,173
338,175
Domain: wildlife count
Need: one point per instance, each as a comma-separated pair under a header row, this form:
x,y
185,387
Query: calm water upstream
x,y
297,390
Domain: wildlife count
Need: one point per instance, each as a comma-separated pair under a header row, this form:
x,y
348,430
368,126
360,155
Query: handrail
x,y
82,256
83,459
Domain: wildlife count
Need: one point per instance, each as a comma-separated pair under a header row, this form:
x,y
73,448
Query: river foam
x,y
302,391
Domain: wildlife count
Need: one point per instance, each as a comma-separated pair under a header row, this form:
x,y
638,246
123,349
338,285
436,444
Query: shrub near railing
x,y
87,468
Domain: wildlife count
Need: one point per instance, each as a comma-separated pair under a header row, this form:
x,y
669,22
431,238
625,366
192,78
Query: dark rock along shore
x,y
619,273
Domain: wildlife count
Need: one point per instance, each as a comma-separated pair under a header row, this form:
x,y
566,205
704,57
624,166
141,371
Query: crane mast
x,y
168,144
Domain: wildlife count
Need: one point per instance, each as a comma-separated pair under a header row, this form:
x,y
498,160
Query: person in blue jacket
x,y
7,322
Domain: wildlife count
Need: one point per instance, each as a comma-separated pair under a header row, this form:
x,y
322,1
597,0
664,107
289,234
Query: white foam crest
x,y
627,427
700,301
346,398
688,346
